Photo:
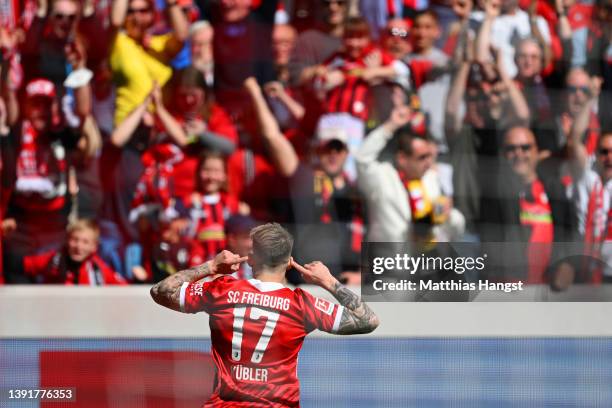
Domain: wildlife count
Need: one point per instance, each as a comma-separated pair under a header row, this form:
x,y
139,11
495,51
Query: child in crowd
x,y
76,263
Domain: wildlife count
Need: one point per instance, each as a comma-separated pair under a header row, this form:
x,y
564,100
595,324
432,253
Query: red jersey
x,y
209,213
54,267
257,329
353,95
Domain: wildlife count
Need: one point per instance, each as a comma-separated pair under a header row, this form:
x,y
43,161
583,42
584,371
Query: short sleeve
x,y
200,296
320,313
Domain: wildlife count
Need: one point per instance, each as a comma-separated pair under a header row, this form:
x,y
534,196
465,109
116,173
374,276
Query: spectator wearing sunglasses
x,y
52,49
528,210
581,93
138,59
396,38
326,206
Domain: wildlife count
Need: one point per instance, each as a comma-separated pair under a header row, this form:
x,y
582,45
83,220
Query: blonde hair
x,y
84,224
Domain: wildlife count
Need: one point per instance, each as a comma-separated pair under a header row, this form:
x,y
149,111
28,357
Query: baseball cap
x,y
40,87
239,223
328,129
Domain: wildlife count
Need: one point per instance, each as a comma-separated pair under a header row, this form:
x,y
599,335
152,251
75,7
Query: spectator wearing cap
x,y
75,263
325,205
138,59
405,199
38,147
53,48
238,241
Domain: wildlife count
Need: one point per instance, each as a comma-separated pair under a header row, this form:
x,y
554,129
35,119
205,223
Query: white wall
x,y
129,312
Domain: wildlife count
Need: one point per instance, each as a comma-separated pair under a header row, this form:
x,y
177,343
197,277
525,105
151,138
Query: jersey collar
x,y
266,286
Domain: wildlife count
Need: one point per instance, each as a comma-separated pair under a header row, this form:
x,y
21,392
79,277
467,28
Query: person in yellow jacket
x,y
138,59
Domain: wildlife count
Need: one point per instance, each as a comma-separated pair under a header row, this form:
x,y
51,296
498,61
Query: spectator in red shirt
x,y
347,75
206,124
38,147
255,172
76,263
173,248
529,210
211,205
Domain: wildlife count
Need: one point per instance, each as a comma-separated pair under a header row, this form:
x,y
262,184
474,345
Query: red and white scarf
x,y
155,187
41,172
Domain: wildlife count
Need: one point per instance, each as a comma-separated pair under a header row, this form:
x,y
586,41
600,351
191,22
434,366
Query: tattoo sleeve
x,y
167,292
357,317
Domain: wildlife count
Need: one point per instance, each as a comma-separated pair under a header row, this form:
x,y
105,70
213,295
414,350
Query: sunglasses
x,y
397,32
332,145
605,152
512,148
575,89
64,17
145,10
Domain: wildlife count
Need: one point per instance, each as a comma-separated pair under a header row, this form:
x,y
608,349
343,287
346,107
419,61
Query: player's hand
x,y
226,262
315,273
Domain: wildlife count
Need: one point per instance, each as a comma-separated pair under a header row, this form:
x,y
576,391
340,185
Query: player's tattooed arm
x,y
357,317
168,292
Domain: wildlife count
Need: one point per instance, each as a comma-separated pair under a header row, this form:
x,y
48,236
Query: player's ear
x,y
290,263
250,261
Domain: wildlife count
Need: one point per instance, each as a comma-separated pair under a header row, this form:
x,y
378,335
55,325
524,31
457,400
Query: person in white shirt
x,y
504,24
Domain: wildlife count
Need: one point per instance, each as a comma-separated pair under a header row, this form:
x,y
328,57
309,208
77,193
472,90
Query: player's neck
x,y
267,275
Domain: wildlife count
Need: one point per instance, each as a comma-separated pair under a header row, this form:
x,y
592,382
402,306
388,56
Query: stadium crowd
x,y
140,137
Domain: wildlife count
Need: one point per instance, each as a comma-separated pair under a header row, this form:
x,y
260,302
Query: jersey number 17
x,y
255,314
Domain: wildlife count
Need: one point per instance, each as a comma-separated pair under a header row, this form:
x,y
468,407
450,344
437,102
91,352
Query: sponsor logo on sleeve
x,y
324,306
